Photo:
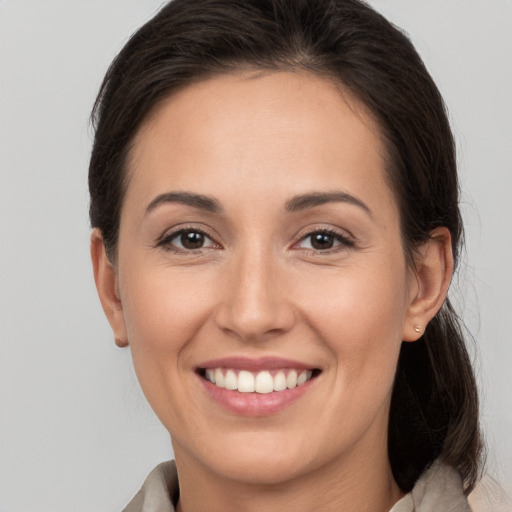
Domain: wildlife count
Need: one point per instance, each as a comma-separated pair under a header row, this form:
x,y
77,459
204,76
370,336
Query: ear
x,y
429,283
105,278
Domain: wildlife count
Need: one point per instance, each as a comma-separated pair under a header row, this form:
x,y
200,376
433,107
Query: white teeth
x,y
245,382
280,381
303,377
210,375
260,382
264,383
291,379
219,378
231,380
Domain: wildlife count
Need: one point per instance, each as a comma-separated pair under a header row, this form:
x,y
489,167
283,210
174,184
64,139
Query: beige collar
x,y
439,489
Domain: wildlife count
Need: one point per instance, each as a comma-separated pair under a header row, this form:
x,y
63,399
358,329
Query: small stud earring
x,y
417,328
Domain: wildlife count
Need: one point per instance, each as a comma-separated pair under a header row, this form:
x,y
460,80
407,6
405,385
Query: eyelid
x,y
169,234
346,239
343,236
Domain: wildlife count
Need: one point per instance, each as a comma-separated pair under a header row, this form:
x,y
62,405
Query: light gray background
x,y
75,432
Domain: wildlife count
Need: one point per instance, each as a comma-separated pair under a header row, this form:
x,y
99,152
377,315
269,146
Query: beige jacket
x,y
438,490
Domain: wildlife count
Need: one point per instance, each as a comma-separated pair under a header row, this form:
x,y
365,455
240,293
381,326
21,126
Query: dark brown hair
x,y
434,407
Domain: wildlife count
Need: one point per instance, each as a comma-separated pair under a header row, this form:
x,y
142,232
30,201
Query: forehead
x,y
258,130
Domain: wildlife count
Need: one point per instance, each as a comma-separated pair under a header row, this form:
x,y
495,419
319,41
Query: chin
x,y
257,470
261,458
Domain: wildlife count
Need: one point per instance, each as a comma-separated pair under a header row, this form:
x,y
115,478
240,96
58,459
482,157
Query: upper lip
x,y
255,365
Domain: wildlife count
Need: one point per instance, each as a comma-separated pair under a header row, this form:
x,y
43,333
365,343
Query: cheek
x,y
358,313
358,318
358,299
165,308
164,311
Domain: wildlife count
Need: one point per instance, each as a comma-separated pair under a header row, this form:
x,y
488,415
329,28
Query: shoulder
x,y
159,491
438,489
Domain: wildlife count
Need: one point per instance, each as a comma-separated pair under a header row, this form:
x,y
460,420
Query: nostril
x,y
255,322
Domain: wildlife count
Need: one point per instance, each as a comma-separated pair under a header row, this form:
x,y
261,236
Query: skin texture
x,y
257,288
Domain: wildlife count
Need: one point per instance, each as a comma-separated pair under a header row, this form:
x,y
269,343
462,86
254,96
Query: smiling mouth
x,y
264,382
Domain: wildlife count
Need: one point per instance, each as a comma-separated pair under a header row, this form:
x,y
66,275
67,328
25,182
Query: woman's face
x,y
259,240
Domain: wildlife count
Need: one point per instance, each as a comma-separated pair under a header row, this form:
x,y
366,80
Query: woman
x,y
275,209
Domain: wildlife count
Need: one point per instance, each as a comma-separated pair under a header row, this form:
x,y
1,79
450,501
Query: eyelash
x,y
344,241
165,241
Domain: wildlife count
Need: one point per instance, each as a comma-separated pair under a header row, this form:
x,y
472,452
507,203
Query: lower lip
x,y
255,404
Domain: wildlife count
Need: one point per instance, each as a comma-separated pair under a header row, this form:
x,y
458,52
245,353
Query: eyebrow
x,y
200,201
297,203
307,201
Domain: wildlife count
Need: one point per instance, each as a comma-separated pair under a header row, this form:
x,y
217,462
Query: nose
x,y
254,303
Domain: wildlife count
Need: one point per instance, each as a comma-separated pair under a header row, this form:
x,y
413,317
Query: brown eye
x,y
187,240
192,240
322,241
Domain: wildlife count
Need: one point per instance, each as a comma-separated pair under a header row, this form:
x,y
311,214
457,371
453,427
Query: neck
x,y
351,483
